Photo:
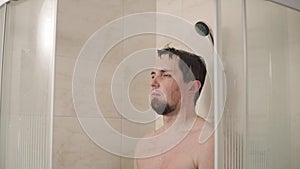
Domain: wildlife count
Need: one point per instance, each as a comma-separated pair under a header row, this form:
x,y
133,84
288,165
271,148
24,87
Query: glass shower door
x,y
273,38
27,84
260,50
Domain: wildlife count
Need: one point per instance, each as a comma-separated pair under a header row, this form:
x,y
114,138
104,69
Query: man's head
x,y
175,69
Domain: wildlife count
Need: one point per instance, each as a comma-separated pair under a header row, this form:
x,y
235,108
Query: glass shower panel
x,y
27,85
2,123
233,124
2,19
273,139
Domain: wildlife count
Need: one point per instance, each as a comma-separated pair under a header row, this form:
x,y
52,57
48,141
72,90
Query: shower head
x,y
203,30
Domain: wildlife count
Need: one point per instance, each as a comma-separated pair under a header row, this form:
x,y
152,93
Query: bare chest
x,y
174,159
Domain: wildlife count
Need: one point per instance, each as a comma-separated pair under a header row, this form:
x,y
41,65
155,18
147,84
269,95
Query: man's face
x,y
165,90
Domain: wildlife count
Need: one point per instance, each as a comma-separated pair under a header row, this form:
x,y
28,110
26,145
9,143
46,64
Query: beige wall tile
x,y
72,149
137,6
63,102
173,7
139,90
77,20
136,43
135,129
199,10
104,77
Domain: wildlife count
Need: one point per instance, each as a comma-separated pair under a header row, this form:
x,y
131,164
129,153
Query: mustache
x,y
156,93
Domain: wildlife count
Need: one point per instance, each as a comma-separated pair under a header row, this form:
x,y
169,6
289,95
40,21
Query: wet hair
x,y
191,65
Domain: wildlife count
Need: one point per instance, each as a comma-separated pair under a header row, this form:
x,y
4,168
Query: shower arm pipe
x,y
211,38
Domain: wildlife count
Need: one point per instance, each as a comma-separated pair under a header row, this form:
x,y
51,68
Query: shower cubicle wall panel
x,y
273,80
2,122
260,44
232,53
27,85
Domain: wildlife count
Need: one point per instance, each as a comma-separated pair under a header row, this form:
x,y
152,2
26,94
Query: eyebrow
x,y
162,71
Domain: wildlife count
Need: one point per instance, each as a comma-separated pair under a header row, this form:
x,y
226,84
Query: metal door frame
x,y
293,4
3,4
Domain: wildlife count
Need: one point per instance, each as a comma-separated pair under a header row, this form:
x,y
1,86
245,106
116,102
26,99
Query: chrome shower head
x,y
203,30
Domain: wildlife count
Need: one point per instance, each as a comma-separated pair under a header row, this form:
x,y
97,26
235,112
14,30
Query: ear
x,y
194,86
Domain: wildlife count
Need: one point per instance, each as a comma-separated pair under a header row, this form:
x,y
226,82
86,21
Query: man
x,y
176,84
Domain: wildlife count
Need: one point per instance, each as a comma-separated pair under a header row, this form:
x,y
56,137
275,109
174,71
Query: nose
x,y
154,83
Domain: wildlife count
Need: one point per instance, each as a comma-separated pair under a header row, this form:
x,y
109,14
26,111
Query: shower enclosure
x,y
258,42
27,69
260,51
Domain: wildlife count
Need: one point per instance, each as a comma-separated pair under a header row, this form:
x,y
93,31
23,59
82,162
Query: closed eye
x,y
166,75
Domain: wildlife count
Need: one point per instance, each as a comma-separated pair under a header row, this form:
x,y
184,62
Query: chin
x,y
161,107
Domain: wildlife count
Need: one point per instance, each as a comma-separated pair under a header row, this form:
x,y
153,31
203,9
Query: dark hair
x,y
191,63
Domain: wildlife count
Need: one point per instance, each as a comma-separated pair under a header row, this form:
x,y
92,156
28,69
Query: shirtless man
x,y
176,84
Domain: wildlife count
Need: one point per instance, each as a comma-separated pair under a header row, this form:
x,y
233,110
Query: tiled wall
x,y
76,22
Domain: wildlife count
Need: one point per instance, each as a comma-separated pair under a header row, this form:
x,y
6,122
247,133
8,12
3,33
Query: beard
x,y
161,107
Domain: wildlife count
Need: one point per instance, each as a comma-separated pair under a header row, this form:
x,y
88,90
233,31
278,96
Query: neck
x,y
169,119
186,115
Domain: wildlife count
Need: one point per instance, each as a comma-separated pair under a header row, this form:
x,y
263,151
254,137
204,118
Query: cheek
x,y
176,92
